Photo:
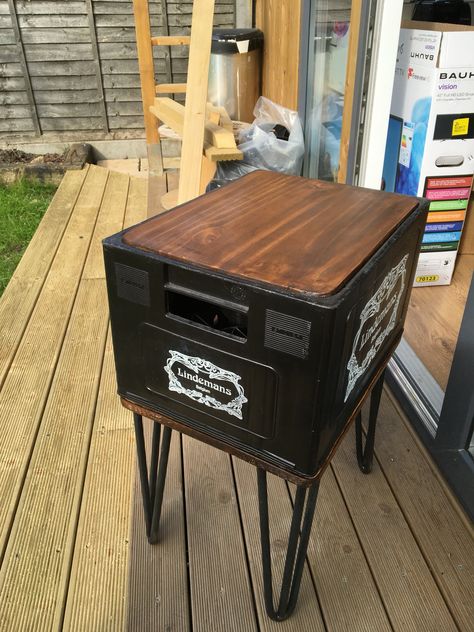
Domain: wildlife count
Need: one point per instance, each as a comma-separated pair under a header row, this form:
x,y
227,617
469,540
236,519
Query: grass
x,y
22,205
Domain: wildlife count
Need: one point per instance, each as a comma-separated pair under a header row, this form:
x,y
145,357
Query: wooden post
x,y
98,72
351,71
196,100
24,67
280,21
146,66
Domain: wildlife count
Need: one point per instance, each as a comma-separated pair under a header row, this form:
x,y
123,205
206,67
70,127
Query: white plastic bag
x,y
261,147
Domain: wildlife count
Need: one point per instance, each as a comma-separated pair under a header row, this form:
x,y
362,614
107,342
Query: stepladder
x,y
206,131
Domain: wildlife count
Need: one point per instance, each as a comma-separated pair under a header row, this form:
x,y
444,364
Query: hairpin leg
x,y
153,485
296,553
365,456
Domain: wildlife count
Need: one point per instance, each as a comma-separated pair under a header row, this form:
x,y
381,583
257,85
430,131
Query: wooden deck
x,y
389,551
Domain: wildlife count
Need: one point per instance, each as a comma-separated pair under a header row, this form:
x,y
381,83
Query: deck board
x,y
25,285
158,583
440,529
388,551
306,617
97,593
347,591
221,598
408,590
99,578
136,210
157,592
110,220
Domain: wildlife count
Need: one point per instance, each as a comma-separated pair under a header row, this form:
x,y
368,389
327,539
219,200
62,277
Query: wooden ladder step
x,y
218,136
217,154
170,88
172,114
171,40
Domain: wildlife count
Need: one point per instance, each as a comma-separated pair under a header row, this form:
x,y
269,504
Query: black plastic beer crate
x,y
258,316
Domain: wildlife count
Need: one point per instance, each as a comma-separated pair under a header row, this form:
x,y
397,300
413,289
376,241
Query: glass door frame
x,y
364,15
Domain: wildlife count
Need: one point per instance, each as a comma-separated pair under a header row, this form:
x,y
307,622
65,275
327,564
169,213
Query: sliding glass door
x,y
336,79
347,88
327,63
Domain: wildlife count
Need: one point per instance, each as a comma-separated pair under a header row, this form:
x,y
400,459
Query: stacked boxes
x,y
430,145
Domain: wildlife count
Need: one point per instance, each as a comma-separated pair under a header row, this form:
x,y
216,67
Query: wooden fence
x,y
69,70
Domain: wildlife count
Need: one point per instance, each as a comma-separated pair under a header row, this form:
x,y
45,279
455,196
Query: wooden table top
x,y
303,235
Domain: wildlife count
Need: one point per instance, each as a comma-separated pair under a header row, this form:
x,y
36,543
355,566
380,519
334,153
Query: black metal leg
x,y
296,552
365,456
152,486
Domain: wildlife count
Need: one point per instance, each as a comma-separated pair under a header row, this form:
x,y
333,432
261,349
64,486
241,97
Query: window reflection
x,y
330,28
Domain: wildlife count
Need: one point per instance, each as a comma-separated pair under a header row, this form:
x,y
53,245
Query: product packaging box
x,y
430,142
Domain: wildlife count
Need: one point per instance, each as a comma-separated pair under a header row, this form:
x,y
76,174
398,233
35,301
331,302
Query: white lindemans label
x,y
377,320
206,383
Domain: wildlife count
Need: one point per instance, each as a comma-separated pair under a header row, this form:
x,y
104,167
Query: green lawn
x,y
22,205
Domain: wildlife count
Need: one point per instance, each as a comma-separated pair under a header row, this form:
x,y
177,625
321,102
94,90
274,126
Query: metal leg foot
x,y
152,485
365,456
296,552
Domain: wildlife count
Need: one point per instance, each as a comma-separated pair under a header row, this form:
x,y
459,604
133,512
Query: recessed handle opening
x,y
216,316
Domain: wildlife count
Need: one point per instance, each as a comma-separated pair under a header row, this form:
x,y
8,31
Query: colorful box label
x,y
451,205
448,194
450,216
443,228
440,247
445,183
430,238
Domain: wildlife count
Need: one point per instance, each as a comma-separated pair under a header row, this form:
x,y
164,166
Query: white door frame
x,y
384,53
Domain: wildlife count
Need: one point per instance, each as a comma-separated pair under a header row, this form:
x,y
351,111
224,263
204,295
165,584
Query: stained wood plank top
x,y
304,235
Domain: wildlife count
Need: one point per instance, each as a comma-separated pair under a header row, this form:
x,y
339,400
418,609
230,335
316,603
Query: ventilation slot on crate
x,y
132,284
287,333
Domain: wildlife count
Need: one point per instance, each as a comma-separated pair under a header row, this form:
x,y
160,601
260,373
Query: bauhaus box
x,y
430,143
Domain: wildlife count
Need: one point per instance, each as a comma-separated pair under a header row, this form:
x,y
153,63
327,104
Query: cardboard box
x,y
430,144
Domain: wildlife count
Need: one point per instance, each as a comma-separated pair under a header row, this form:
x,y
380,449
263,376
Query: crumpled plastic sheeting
x,y
262,149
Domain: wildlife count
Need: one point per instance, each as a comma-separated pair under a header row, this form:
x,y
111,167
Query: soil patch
x,y
16,164
11,156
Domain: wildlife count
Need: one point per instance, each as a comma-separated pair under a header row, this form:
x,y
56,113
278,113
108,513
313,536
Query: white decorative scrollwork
x,y
373,308
215,377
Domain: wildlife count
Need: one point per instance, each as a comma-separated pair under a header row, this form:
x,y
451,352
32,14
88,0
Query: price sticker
x,y
428,278
460,126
